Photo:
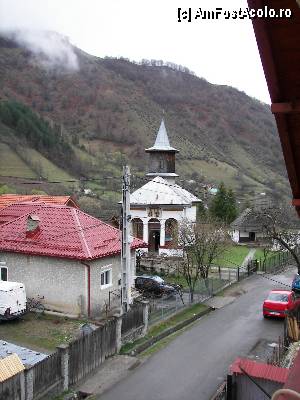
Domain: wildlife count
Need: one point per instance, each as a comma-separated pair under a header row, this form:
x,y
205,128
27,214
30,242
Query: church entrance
x,y
154,235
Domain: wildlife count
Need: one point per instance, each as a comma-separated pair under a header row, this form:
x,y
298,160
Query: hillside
x,y
108,111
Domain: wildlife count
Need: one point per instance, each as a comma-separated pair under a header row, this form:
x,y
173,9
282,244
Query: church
x,y
157,208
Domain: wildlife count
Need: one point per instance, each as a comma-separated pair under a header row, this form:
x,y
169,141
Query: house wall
x,y
100,296
247,390
235,236
64,282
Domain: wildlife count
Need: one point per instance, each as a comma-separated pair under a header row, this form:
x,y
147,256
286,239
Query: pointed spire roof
x,y
162,141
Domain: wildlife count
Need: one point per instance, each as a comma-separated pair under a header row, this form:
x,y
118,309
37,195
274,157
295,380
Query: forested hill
x,y
108,111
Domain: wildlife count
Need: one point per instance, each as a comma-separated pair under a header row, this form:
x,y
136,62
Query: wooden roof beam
x,y
286,107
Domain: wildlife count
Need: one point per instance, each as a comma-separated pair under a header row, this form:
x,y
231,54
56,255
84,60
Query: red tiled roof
x,y
64,232
260,370
8,199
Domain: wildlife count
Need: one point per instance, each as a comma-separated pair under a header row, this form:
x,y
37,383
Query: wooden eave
x,y
278,41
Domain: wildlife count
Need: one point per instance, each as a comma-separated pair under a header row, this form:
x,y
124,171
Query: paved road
x,y
194,364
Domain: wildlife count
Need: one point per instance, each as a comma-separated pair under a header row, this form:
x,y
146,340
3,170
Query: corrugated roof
x,y
10,366
27,356
260,370
8,199
162,141
64,232
160,191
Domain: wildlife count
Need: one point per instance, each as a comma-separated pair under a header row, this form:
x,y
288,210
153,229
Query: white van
x,y
12,300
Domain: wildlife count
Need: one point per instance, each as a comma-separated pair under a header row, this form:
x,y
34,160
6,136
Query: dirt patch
x,y
237,292
41,334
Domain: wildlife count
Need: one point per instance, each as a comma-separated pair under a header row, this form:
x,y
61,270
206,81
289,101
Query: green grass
x,y
12,165
259,253
49,170
43,333
232,257
162,326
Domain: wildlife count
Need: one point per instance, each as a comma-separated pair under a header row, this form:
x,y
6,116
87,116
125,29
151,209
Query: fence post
x,y
145,317
118,332
29,383
63,350
238,274
248,268
22,386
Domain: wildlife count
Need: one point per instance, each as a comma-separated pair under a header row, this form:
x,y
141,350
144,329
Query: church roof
x,y
160,191
162,141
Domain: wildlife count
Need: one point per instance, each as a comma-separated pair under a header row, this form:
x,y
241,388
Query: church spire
x,y
162,156
162,141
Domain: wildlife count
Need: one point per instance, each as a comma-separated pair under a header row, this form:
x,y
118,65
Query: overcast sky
x,y
223,51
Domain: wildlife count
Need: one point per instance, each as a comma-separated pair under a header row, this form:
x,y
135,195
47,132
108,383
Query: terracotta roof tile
x,y
8,199
260,370
64,232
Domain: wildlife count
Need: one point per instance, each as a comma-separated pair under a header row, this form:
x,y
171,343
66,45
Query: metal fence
x,y
160,309
219,278
276,261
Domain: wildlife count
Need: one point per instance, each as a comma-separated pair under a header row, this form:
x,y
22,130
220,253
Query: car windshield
x,y
278,297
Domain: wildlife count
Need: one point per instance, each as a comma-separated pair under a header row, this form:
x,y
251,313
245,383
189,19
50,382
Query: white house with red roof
x,y
63,254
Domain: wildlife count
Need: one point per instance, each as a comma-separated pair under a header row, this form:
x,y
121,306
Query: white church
x,y
157,208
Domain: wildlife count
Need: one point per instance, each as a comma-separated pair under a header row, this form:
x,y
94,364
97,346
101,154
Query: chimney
x,y
33,225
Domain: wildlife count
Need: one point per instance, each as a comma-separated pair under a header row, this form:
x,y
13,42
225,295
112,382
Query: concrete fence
x,y
74,361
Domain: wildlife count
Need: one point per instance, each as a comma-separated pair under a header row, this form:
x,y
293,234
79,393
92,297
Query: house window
x,y
3,273
106,278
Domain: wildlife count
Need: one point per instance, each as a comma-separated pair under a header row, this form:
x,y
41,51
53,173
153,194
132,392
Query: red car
x,y
278,302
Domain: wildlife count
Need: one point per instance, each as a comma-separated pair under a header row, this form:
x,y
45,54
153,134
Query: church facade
x,y
158,207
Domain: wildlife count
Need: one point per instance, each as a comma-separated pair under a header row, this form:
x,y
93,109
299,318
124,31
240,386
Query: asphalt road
x,y
194,364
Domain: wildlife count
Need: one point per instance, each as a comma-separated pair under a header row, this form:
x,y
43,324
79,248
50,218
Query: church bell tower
x,y
162,157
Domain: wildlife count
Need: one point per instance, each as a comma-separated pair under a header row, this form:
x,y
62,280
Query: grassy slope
x,y
49,170
12,165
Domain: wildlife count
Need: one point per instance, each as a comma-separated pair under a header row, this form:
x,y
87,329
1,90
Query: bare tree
x,y
202,242
280,228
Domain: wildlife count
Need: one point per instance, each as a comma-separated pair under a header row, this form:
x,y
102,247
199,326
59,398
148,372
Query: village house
x,y
64,255
159,206
248,228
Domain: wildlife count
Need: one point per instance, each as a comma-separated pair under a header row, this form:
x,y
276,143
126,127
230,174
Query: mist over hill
x,y
107,111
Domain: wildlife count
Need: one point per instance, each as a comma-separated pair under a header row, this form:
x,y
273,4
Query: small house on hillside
x,y
65,255
246,227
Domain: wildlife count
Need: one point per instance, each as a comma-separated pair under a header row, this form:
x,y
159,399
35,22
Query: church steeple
x,y
162,156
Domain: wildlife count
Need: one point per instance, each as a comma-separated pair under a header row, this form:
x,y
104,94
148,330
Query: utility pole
x,y
125,248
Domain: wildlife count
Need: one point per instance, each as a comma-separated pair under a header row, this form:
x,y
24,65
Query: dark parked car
x,y
155,286
296,284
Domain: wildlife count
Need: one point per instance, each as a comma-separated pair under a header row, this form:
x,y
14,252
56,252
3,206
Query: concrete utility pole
x,y
125,249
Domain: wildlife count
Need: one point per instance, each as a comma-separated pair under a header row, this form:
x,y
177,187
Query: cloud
x,y
51,49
